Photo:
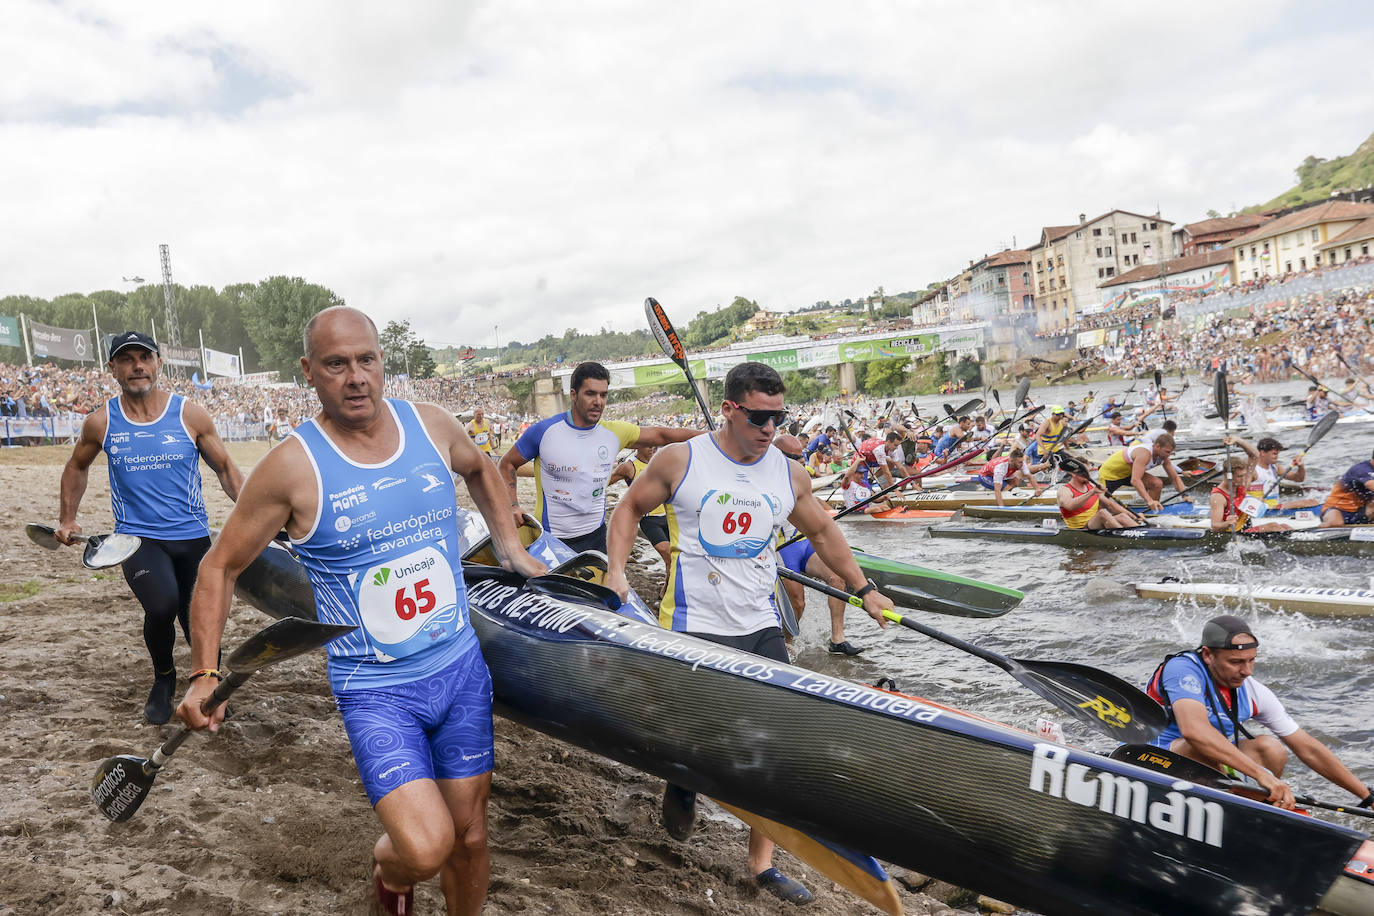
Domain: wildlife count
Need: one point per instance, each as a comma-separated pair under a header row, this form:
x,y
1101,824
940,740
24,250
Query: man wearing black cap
x,y
154,441
1210,693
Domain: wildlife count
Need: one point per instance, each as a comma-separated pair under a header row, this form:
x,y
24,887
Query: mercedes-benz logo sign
x,y
79,344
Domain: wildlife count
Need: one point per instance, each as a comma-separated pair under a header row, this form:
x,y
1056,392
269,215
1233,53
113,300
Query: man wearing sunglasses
x,y
726,496
574,454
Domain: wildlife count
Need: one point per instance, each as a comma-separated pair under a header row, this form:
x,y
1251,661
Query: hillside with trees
x,y
1319,178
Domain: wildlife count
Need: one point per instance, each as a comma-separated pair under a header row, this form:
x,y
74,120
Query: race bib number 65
x,y
737,523
408,603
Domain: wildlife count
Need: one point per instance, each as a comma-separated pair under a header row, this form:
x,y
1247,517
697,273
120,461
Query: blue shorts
x,y
796,556
1351,518
1033,452
986,482
438,727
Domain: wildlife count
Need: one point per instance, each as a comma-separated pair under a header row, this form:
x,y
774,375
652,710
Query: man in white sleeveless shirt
x,y
726,495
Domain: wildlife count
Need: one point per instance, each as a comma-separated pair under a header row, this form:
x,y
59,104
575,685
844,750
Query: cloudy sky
x,y
539,165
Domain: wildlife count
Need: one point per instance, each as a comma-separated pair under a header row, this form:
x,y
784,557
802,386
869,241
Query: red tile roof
x,y
1362,230
1226,224
1169,268
1308,216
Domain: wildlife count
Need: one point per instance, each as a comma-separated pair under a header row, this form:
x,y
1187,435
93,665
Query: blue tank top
x,y
384,555
155,475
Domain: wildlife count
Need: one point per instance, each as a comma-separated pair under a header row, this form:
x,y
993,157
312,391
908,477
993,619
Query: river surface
x,y
1322,669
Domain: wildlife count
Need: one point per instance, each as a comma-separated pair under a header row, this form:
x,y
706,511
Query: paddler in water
x,y
727,494
1210,694
1265,479
1229,504
995,473
411,685
801,557
1049,439
1351,501
1083,504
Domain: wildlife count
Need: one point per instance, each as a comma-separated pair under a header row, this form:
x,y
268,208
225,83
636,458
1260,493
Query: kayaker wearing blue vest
x,y
154,441
727,494
1210,693
574,454
365,491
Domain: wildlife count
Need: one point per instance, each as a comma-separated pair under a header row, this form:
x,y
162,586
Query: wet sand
x,y
268,816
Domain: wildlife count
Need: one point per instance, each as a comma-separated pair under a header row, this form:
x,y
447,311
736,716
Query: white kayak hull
x,y
1304,599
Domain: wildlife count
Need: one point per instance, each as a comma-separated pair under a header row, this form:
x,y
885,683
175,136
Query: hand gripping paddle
x,y
102,550
121,783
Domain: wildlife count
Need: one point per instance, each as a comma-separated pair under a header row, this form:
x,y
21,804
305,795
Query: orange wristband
x,y
203,672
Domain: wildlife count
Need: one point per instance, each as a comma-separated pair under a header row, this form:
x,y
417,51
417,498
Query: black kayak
x,y
1044,826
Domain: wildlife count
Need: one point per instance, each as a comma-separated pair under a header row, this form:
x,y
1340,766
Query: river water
x,y
1322,669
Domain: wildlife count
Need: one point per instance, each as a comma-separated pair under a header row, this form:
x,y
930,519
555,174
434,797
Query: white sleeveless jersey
x,y
722,519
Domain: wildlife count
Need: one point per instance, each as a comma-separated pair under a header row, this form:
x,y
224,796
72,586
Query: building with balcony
x,y
1297,241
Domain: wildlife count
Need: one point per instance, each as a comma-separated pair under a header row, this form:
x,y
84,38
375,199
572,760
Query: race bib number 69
x,y
408,603
737,523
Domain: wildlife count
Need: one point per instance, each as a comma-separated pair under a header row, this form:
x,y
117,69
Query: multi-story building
x,y
1069,262
1202,271
1294,242
1219,232
1350,245
1000,283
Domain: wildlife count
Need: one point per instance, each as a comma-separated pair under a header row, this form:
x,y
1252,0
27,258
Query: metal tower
x,y
169,297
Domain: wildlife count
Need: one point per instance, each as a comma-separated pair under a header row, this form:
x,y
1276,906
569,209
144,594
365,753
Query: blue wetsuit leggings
x,y
161,574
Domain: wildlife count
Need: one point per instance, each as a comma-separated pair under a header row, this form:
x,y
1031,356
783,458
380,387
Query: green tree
x,y
404,352
885,376
275,313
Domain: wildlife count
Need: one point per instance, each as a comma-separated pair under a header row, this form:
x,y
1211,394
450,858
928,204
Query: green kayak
x,y
920,588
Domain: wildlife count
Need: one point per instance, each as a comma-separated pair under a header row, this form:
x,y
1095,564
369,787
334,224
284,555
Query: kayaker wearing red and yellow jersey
x,y
1084,505
1228,501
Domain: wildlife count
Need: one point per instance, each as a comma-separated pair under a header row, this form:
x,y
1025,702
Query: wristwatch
x,y
868,586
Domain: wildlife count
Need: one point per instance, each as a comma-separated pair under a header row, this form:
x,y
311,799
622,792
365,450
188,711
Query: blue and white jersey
x,y
383,555
723,518
154,472
571,467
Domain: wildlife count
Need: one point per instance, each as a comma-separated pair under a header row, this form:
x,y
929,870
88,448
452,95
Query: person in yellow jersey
x,y
1130,464
1083,504
480,431
727,494
1049,438
654,525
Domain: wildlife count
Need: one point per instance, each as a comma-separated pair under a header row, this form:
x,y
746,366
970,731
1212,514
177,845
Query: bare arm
x,y
263,508
484,484
652,487
625,471
1138,467
1174,479
812,520
1206,741
664,435
213,451
76,474
1320,758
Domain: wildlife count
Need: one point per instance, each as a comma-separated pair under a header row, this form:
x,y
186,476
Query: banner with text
x,y
220,363
62,343
9,332
180,356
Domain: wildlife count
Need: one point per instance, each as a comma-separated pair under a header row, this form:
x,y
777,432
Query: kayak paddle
x,y
672,347
1159,392
102,550
1018,399
121,783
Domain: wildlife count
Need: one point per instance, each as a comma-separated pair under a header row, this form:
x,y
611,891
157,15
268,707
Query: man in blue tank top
x,y
365,491
726,496
154,441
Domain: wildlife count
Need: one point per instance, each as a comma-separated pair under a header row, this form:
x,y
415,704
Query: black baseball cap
x,y
133,339
1220,633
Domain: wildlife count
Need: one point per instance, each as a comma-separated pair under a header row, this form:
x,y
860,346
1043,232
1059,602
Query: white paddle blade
x,y
104,551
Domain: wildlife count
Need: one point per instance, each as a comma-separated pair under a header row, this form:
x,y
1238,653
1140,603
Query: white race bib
x,y
408,603
737,523
1253,507
481,438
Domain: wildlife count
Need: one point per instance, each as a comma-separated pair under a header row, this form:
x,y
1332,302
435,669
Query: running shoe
x,y
844,648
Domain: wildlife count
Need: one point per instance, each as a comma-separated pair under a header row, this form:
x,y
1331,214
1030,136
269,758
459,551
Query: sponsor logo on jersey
x,y
387,483
431,482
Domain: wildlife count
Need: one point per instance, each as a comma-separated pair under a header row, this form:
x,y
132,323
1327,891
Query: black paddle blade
x,y
1159,378
1323,427
1162,760
42,535
1096,698
968,408
120,785
917,599
663,331
287,638
1022,390
106,550
1221,396
948,409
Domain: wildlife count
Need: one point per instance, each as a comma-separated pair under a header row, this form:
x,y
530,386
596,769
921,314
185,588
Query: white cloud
x,y
540,165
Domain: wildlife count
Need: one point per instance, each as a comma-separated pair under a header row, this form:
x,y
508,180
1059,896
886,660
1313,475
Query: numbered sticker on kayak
x,y
1253,507
408,603
737,522
1363,535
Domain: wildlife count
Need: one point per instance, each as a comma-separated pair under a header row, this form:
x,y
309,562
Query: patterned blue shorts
x,y
438,727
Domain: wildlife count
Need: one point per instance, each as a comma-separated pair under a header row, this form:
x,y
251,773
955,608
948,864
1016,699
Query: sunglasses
x,y
761,418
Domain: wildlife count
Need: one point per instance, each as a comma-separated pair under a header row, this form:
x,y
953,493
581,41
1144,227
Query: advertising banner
x,y
1092,338
667,373
180,356
62,343
811,357
218,362
9,332
779,360
260,378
